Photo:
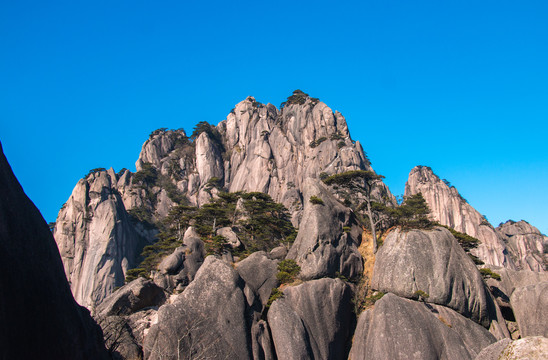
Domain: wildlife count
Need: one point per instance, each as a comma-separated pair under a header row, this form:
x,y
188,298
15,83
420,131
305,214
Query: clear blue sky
x,y
458,86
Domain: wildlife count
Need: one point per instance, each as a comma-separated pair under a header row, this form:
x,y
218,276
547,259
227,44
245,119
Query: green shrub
x,y
488,273
466,241
284,277
148,175
337,136
317,142
341,144
133,274
93,171
274,295
421,295
347,229
157,132
287,271
316,200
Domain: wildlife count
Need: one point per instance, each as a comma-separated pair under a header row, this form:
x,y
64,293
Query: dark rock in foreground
x,y
312,321
39,318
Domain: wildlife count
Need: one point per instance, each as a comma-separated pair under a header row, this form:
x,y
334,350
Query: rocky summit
x,y
270,236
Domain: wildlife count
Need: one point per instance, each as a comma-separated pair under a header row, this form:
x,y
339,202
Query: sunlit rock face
x,y
97,241
449,208
526,243
104,225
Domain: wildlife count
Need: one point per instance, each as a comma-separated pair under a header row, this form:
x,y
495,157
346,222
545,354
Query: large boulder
x,y
530,348
398,328
39,317
323,247
530,306
130,298
432,261
312,320
207,320
259,273
179,268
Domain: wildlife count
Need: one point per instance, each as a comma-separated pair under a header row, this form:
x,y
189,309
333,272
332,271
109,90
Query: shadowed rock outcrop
x,y
312,321
259,273
530,306
179,268
39,317
132,297
328,239
207,320
398,328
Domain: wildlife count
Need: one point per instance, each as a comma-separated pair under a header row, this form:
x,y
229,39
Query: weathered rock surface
x,y
208,319
274,151
449,208
39,317
526,244
398,328
257,148
323,247
96,238
312,321
530,305
432,261
530,348
259,274
132,297
177,270
511,279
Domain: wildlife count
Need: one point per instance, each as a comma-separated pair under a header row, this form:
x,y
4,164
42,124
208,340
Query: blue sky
x,y
458,86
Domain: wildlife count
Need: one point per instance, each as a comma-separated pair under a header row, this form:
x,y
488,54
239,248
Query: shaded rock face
x,y
259,273
207,320
398,328
449,208
126,315
532,348
512,279
130,298
39,317
178,269
526,243
433,262
328,237
96,238
530,305
312,321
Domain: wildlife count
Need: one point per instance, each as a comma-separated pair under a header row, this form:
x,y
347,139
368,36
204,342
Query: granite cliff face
x,y
39,318
105,224
526,243
512,246
96,238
